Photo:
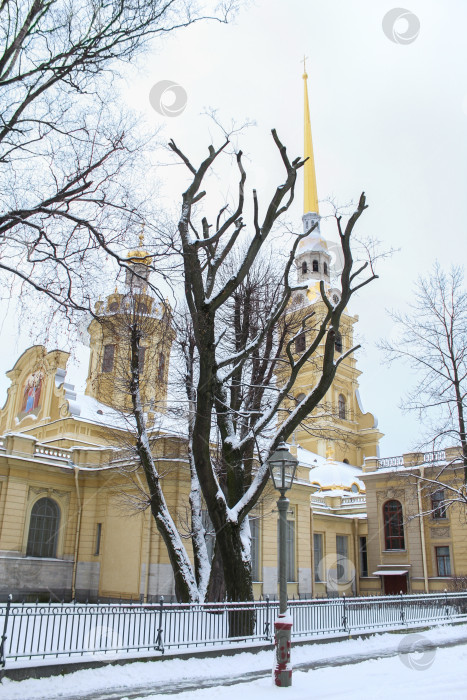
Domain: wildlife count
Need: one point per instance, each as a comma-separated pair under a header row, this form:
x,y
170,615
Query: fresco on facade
x,y
32,392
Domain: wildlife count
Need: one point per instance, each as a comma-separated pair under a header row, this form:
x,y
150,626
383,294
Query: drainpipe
x,y
312,553
356,552
422,529
78,530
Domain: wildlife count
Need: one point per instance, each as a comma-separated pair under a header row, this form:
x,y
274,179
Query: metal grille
x,y
51,631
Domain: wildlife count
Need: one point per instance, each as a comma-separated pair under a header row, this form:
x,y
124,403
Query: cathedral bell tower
x,y
339,424
108,378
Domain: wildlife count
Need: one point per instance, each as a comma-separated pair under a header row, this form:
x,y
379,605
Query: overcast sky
x,y
388,118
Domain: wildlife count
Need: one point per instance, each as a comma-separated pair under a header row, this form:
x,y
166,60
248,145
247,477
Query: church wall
x,y
121,557
11,534
119,569
87,580
330,526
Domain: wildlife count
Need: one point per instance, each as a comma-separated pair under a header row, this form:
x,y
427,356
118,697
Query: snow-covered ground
x,y
428,673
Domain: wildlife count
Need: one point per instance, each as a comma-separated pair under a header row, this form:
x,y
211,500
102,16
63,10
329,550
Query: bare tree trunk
x,y
186,589
216,588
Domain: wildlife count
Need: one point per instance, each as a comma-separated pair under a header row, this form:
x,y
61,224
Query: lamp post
x,y
282,466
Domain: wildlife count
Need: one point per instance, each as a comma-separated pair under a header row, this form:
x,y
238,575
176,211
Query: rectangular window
x,y
363,557
443,561
98,539
255,530
141,356
300,343
342,551
318,556
161,367
290,546
438,508
108,360
393,525
209,535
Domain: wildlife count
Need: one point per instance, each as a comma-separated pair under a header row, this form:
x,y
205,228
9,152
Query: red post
x,y
282,638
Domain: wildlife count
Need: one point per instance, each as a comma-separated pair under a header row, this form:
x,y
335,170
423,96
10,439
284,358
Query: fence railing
x,y
424,457
54,631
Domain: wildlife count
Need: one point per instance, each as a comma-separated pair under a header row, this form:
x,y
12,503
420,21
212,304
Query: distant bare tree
x,y
432,339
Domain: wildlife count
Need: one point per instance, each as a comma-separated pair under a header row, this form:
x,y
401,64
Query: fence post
x,y
159,641
267,625
3,637
446,609
344,614
402,608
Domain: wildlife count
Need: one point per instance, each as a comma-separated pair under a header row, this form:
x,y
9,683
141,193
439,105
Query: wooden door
x,y
393,585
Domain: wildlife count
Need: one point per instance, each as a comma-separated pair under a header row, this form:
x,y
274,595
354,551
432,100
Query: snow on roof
x,y
313,242
330,473
90,409
309,459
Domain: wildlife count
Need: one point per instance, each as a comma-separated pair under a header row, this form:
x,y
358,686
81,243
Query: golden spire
x,y
310,202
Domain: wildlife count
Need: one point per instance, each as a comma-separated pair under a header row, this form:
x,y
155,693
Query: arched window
x,y
315,266
393,525
43,529
325,268
142,308
299,398
113,307
338,342
304,268
341,406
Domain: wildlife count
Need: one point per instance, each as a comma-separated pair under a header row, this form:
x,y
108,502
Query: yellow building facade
x,y
70,527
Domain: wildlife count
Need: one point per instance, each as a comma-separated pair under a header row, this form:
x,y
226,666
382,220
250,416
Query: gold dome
x,y
140,255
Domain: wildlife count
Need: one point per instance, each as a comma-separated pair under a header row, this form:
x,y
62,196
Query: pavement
x,y
173,688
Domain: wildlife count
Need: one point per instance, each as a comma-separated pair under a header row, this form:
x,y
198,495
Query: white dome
x,y
312,243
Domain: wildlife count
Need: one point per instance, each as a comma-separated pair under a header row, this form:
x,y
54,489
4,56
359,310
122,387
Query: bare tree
x,y
68,157
432,339
240,366
206,250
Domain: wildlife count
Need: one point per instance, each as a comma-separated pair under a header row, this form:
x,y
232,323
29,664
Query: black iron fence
x,y
56,631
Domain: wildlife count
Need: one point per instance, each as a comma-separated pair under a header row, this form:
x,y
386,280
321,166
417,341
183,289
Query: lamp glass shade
x,y
282,466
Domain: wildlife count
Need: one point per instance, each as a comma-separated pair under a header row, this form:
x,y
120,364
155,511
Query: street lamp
x,y
282,466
